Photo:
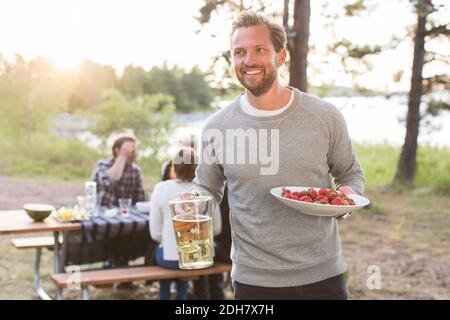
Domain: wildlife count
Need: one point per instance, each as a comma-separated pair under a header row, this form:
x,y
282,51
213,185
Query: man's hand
x,y
347,191
128,151
188,195
126,154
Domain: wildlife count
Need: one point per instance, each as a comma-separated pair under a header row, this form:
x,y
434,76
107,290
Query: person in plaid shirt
x,y
118,177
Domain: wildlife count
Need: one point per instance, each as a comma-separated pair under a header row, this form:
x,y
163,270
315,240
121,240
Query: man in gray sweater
x,y
269,136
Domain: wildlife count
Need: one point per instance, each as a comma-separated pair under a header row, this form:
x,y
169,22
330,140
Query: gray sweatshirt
x,y
306,145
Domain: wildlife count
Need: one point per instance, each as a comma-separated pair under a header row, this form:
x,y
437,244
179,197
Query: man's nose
x,y
250,59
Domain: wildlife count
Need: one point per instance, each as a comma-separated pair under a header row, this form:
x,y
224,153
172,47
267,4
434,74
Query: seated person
x,y
161,228
167,171
118,176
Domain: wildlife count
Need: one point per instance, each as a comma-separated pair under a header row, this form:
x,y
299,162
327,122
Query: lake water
x,y
369,120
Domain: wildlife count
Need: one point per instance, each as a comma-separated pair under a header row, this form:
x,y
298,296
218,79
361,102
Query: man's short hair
x,y
185,162
119,142
249,18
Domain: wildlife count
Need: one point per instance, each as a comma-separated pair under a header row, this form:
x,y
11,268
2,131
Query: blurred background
x,y
74,74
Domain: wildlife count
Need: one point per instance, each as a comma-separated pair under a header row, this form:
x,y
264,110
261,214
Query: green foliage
x,y
207,9
436,106
30,92
351,50
379,163
189,88
92,79
149,116
354,8
48,155
433,168
133,81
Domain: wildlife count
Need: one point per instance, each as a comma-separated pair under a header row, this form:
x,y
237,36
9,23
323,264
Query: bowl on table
x,y
38,211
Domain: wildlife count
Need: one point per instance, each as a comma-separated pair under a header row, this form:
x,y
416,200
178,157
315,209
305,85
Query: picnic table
x,y
90,231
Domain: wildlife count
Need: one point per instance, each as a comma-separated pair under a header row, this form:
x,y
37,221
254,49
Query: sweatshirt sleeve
x,y
217,221
344,167
209,177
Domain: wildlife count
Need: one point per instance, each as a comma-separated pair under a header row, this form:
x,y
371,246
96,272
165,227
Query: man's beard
x,y
269,76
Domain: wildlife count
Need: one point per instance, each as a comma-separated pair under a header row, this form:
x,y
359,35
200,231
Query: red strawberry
x,y
306,199
337,201
351,202
324,192
303,193
333,194
286,194
312,193
324,200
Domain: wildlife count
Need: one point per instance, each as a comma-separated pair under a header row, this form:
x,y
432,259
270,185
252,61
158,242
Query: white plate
x,y
317,209
143,206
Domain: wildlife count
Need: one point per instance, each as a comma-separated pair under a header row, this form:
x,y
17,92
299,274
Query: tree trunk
x,y
299,49
407,162
286,15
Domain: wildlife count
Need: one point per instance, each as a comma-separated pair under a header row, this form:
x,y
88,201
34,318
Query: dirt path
x,y
15,192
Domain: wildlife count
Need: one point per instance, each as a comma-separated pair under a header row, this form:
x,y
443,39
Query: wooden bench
x,y
37,243
112,276
34,243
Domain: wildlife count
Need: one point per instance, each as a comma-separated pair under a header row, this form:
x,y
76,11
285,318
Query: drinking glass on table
x,y
81,201
125,207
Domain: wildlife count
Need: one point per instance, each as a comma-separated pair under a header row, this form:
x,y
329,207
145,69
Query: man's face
x,y
133,154
129,150
255,61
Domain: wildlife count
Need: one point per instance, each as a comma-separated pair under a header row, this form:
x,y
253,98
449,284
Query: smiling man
x,y
277,252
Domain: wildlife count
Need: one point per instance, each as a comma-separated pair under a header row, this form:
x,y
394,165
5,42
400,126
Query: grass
x,y
47,155
379,162
71,160
50,158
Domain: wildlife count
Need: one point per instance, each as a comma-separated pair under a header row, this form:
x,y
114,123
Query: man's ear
x,y
281,57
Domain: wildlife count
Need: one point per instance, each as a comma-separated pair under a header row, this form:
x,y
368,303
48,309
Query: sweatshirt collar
x,y
294,106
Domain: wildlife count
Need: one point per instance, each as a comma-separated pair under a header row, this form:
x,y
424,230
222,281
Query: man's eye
x,y
238,53
260,50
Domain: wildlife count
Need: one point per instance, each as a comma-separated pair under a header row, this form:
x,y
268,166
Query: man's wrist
x,y
121,158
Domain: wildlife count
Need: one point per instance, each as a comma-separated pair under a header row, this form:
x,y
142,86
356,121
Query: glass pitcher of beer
x,y
192,223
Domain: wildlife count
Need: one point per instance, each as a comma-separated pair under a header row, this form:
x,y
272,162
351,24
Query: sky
x,y
148,32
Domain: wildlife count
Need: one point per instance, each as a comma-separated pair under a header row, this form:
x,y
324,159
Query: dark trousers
x,y
212,287
209,287
328,289
164,285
